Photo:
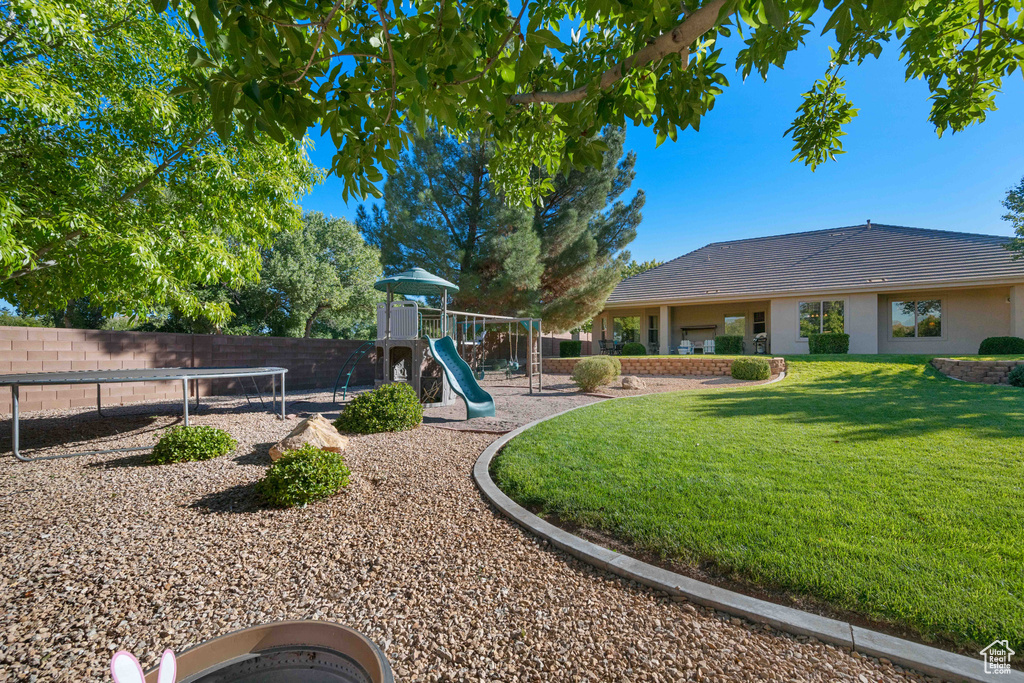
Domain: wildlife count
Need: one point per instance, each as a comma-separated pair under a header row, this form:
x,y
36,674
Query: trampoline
x,y
100,377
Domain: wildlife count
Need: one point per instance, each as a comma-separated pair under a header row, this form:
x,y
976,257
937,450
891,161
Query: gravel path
x,y
104,552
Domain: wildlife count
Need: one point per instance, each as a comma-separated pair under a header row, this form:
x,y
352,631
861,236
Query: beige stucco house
x,y
892,289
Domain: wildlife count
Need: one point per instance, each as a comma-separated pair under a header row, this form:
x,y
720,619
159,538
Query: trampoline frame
x,y
100,377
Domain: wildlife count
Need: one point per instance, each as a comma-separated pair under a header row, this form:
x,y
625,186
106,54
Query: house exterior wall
x,y
968,317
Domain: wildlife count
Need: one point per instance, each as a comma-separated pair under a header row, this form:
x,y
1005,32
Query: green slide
x,y
478,402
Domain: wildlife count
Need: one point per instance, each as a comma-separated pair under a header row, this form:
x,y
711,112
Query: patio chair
x,y
709,346
685,348
606,346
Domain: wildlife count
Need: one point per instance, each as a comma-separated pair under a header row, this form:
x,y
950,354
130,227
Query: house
x,y
892,289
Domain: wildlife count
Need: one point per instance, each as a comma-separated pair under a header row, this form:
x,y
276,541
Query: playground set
x,y
420,346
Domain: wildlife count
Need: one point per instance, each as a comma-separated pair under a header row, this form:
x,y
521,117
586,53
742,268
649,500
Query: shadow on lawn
x,y
909,400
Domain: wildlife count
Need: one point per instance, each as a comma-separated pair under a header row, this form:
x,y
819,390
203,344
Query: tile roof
x,y
856,257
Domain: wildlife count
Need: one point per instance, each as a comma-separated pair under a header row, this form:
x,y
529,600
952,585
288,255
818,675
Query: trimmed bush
x,y
191,444
634,349
1016,377
731,344
302,476
616,365
1001,346
828,342
570,349
390,408
593,372
751,368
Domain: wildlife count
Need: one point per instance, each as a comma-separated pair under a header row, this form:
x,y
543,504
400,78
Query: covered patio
x,y
663,329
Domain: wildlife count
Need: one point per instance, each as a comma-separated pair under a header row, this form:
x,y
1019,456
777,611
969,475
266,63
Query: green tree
x,y
635,267
324,273
1014,205
113,187
559,259
360,69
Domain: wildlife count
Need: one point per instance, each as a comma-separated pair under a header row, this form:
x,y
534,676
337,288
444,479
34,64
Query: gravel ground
x,y
104,552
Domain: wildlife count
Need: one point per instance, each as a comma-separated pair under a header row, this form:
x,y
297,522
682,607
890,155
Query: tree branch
x,y
319,39
492,60
391,58
678,40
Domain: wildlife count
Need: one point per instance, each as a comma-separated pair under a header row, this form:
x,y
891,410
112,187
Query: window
x,y
821,316
736,325
916,319
626,329
652,329
760,323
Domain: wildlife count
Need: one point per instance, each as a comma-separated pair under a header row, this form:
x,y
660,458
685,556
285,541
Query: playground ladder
x,y
360,351
535,357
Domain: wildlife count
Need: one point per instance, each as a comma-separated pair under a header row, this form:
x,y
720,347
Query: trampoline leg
x,y
14,425
99,403
282,397
184,395
273,393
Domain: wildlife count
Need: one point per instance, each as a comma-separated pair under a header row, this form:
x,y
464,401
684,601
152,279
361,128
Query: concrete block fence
x,y
978,371
311,363
675,365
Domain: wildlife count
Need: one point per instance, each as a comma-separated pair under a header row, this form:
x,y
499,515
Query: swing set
x,y
472,330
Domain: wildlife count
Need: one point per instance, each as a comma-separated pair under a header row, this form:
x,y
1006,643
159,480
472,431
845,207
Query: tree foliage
x,y
359,69
635,267
324,272
1014,205
558,259
113,185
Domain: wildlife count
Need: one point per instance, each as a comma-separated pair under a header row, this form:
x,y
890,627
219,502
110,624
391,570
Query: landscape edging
x,y
923,658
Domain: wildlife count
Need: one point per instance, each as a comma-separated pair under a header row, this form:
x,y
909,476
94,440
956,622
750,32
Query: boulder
x,y
316,430
631,382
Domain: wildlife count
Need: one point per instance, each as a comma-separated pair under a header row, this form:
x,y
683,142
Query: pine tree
x,y
558,260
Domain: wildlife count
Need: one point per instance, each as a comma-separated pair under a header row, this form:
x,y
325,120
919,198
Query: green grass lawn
x,y
871,483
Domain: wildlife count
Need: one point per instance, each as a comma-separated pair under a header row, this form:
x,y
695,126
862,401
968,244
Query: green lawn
x,y
871,482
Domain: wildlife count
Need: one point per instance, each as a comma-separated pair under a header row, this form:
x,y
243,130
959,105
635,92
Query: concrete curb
x,y
928,660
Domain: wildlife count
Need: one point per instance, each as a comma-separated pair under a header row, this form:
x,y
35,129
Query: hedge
x,y
570,349
634,349
1001,346
731,344
828,342
751,368
1016,377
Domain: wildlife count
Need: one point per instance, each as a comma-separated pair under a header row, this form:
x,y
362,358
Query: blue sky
x,y
734,178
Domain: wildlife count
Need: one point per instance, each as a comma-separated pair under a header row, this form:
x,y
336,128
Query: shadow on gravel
x,y
260,455
85,431
237,499
136,459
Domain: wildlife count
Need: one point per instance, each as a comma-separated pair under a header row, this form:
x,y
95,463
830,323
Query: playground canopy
x,y
415,282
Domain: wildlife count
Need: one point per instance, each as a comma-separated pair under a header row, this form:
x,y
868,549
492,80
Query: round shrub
x,y
1001,346
593,372
634,349
616,365
570,349
192,443
751,368
390,408
303,475
1016,377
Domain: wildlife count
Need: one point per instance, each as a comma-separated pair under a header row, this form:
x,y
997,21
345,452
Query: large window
x,y
916,319
736,325
821,316
626,329
760,323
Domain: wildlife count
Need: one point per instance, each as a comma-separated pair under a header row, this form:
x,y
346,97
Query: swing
x,y
513,356
481,358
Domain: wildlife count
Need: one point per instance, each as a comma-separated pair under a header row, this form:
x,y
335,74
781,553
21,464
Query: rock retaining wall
x,y
675,365
978,371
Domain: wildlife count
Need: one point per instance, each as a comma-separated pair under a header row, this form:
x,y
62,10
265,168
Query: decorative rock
x,y
631,382
316,430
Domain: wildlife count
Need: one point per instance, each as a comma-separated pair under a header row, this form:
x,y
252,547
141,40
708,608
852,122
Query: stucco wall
x,y
861,322
968,317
